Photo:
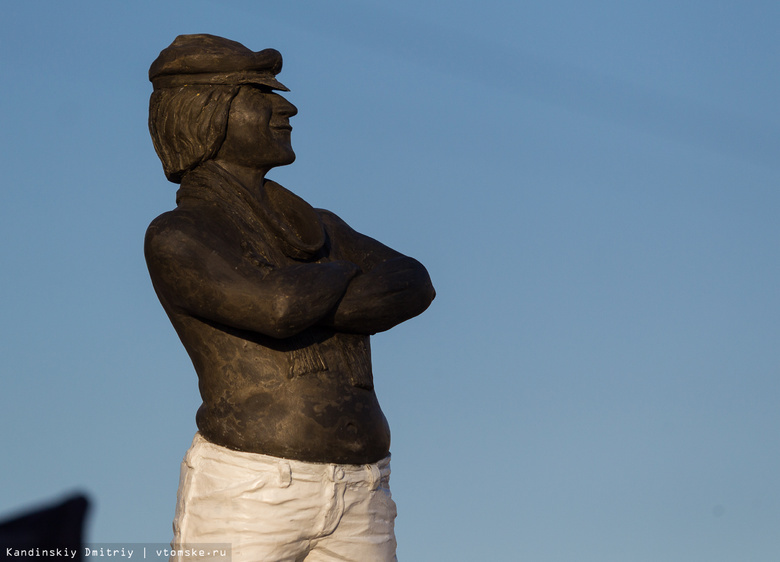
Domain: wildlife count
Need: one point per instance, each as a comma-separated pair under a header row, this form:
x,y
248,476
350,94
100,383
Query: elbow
x,y
417,298
418,292
281,332
425,290
425,297
430,292
283,320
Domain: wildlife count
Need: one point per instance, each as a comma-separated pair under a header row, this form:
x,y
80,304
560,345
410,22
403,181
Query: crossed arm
x,y
372,289
389,289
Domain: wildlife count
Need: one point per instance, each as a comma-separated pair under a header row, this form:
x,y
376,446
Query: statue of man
x,y
274,302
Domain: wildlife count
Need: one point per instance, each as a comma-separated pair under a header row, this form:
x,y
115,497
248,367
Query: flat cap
x,y
208,59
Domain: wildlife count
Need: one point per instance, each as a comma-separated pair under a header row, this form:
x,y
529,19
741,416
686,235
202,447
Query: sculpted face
x,y
258,130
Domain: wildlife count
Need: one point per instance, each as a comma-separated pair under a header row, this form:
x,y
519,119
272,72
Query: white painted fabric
x,y
278,510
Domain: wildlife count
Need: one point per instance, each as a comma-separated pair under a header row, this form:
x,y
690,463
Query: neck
x,y
251,178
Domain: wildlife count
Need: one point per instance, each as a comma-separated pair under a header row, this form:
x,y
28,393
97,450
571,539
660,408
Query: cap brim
x,y
220,79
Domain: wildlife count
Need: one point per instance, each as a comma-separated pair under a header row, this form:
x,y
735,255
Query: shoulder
x,y
339,233
169,221
183,234
169,239
357,247
169,228
333,223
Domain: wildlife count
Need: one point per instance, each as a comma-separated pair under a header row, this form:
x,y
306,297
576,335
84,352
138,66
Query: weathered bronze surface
x,y
273,300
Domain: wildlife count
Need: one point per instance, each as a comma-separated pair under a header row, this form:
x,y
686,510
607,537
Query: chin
x,y
290,158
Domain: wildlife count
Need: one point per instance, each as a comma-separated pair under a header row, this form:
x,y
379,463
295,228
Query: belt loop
x,y
285,474
376,476
336,473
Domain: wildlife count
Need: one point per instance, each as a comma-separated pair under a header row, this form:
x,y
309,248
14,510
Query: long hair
x,y
188,125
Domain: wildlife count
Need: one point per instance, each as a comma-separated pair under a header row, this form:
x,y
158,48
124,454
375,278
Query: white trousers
x,y
278,510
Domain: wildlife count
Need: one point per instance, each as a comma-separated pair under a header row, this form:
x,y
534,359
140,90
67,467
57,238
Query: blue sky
x,y
592,186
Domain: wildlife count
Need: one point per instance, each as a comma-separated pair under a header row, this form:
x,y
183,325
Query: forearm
x,y
280,304
394,291
300,296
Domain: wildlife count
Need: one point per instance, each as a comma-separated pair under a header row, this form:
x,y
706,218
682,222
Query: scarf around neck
x,y
272,220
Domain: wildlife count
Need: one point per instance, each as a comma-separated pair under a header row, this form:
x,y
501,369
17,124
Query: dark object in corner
x,y
59,526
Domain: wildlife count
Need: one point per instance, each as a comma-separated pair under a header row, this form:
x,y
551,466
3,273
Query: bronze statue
x,y
274,302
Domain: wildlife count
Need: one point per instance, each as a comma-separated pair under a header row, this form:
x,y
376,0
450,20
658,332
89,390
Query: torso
x,y
262,395
309,397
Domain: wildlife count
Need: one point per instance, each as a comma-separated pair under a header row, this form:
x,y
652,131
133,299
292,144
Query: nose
x,y
285,108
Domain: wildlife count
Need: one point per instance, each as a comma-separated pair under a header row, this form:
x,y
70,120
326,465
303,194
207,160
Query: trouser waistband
x,y
289,469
